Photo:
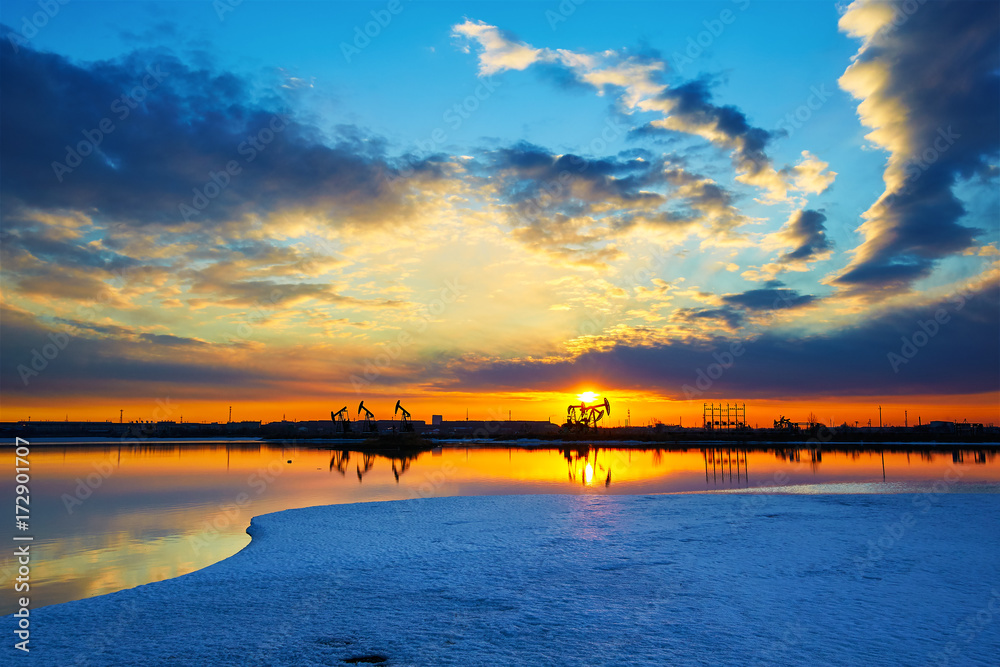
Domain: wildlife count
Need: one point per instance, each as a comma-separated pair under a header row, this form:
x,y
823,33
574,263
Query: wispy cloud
x,y
640,85
929,89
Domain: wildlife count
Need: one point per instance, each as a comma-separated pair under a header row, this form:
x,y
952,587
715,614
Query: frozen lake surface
x,y
901,579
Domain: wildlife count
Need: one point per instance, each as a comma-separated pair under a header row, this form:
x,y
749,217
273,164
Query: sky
x,y
489,208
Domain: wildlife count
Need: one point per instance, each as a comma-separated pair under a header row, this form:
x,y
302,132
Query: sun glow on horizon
x,y
587,396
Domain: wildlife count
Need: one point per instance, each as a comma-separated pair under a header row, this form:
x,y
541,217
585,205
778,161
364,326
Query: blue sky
x,y
623,177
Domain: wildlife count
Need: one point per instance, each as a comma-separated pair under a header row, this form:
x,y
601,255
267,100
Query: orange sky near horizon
x,y
655,232
982,408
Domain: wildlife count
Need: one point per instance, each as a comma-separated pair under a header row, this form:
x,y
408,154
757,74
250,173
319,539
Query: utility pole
x,y
905,424
230,414
880,417
120,414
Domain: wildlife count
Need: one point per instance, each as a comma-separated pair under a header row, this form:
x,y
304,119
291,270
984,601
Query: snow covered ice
x,y
572,580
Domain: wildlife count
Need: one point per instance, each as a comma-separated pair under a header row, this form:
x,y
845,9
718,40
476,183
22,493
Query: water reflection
x,y
582,470
163,509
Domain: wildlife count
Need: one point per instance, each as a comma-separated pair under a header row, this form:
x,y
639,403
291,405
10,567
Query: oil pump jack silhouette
x,y
341,417
406,426
371,426
584,417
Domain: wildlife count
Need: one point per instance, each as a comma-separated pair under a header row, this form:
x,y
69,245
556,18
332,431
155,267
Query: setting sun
x,y
294,323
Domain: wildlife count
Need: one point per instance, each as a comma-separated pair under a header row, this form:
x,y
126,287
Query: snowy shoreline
x,y
567,579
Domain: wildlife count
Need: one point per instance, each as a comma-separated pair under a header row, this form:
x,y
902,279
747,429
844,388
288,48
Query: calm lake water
x,y
109,517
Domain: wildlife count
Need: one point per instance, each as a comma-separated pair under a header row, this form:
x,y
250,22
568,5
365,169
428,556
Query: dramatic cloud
x,y
730,319
109,361
876,357
805,234
638,80
929,85
774,298
688,108
705,201
805,231
147,139
732,311
201,232
574,208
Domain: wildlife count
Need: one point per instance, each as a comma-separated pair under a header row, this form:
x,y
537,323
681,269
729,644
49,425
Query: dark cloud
x,y
691,105
961,357
257,292
693,100
112,364
806,231
113,361
768,299
189,124
649,134
942,66
570,206
732,314
529,173
730,317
